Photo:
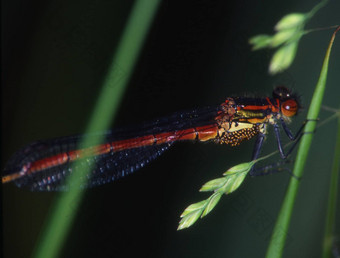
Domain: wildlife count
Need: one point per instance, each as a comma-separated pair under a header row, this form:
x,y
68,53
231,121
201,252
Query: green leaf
x,y
290,21
232,180
283,37
235,182
193,207
189,219
240,168
212,185
283,58
260,41
212,201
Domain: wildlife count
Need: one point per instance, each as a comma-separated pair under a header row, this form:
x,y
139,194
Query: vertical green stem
x,y
280,231
333,192
317,8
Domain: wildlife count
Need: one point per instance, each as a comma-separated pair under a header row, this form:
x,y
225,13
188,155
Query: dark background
x,y
54,57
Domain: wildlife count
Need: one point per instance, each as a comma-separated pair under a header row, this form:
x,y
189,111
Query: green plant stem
x,y
331,207
278,238
317,8
64,210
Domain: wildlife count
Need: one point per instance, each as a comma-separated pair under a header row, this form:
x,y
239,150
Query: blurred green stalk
x,y
64,211
333,192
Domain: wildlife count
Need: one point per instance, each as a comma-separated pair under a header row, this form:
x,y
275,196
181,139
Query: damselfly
x,y
45,165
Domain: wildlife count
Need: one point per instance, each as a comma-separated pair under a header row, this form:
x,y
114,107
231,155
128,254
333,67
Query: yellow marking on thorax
x,y
239,126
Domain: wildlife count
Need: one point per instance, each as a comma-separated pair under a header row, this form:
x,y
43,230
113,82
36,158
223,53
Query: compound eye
x,y
289,108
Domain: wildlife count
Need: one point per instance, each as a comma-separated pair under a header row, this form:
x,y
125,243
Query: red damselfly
x,y
45,165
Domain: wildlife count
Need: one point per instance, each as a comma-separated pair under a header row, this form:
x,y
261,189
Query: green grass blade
x,y
64,211
278,238
332,199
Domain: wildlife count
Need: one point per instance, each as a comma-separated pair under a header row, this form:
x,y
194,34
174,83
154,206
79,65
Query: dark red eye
x,y
289,107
